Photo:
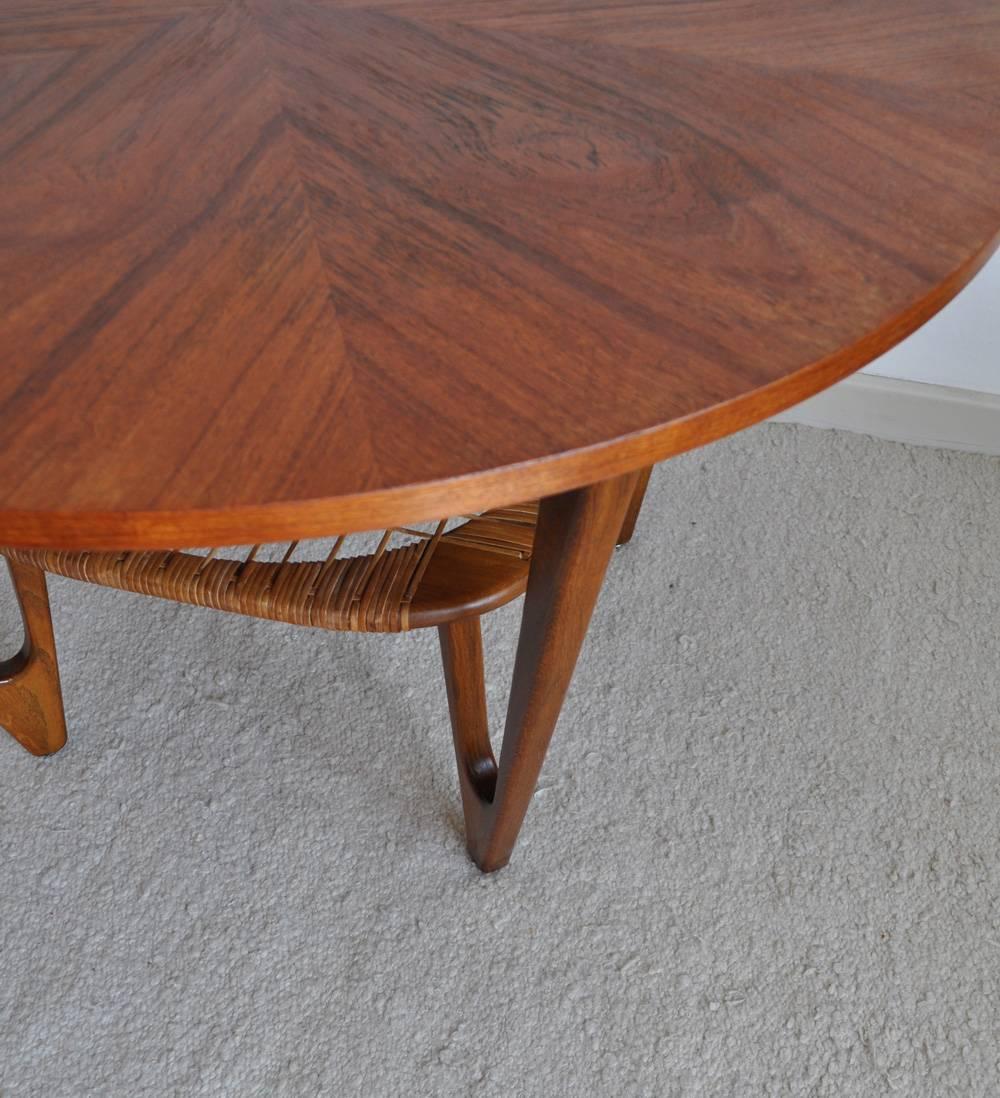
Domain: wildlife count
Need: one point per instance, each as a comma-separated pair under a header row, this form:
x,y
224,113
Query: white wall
x,y
940,387
960,347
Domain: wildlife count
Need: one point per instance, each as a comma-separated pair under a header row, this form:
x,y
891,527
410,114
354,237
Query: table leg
x,y
575,536
635,505
31,706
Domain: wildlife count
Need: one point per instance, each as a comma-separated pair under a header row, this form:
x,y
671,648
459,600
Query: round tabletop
x,y
277,268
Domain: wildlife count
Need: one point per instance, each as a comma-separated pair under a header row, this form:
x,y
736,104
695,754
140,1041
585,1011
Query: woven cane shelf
x,y
413,579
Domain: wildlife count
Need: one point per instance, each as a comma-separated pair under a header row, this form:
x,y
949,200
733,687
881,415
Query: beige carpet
x,y
764,859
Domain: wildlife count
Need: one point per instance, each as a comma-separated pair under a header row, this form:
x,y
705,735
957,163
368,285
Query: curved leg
x,y
575,536
634,506
462,654
31,706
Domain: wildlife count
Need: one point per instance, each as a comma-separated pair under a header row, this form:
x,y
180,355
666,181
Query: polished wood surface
x,y
274,268
575,536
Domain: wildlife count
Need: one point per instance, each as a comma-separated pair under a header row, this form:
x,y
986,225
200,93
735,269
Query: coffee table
x,y
277,269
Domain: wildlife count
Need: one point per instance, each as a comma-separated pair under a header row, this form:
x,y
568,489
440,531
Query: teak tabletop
x,y
273,268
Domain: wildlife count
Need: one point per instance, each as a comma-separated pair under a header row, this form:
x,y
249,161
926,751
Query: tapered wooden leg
x,y
31,706
634,506
574,539
462,654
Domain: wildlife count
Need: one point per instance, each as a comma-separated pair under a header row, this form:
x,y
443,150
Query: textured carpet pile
x,y
763,859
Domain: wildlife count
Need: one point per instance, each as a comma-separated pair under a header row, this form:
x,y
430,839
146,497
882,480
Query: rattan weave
x,y
371,593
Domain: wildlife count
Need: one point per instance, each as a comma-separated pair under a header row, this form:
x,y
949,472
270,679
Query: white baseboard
x,y
905,411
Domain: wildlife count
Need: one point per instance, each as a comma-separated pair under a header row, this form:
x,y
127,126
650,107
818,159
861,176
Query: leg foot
x,y
574,539
462,655
31,706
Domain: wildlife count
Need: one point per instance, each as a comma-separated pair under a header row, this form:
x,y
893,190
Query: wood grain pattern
x,y
273,268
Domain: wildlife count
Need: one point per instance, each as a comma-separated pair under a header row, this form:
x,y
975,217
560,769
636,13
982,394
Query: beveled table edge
x,y
544,476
